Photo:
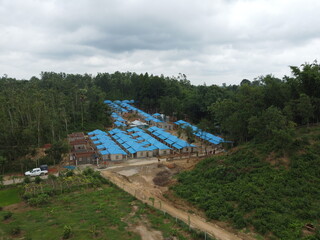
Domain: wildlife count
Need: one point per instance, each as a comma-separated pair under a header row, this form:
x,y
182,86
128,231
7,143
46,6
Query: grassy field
x,y
105,213
9,196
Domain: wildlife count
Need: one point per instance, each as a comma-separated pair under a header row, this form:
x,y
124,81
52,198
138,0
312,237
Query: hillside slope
x,y
276,193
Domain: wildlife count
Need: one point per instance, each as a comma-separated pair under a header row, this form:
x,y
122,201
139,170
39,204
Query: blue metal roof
x,y
200,133
177,146
131,150
104,152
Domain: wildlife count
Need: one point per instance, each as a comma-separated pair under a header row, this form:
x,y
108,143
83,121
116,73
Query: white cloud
x,y
210,41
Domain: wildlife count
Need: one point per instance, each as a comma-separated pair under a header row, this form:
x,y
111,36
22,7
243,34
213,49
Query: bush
x,y
27,195
69,173
26,180
15,230
37,180
88,171
7,215
52,177
67,232
39,200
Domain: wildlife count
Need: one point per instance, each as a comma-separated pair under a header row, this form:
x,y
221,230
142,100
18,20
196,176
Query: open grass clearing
x,y
9,196
103,213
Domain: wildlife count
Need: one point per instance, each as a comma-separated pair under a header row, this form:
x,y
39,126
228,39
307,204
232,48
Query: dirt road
x,y
20,180
153,197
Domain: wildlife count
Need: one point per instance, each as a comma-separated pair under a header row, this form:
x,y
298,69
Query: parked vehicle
x,y
44,167
36,172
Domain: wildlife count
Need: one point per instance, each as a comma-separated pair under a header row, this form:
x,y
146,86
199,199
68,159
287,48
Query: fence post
x,y
189,221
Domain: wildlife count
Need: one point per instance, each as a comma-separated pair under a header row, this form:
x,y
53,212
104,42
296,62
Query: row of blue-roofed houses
x,y
201,135
118,144
126,141
120,108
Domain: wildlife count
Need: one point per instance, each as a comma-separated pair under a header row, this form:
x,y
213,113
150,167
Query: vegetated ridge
x,y
275,193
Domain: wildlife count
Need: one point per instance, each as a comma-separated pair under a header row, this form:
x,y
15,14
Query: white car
x,y
36,172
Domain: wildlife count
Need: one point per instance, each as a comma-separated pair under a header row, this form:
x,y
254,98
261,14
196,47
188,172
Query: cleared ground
x,y
149,183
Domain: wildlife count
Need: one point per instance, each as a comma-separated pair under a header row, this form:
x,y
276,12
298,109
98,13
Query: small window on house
x,y
141,154
164,152
187,149
117,157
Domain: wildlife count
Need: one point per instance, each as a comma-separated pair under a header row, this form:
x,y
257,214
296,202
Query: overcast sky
x,y
211,41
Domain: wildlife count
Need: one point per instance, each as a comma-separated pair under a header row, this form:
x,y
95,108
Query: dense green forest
x,y
43,110
276,193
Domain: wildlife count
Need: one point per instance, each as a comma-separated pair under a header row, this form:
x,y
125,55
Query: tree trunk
x,y
82,115
11,120
38,128
52,130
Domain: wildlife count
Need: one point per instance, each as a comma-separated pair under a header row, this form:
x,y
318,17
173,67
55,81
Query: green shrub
x,y
88,171
27,195
69,173
62,174
7,215
15,230
52,177
39,200
26,180
67,232
37,180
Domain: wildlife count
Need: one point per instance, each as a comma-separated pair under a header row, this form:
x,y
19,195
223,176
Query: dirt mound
x,y
162,178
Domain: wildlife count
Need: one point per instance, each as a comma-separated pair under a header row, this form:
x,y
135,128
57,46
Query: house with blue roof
x,y
106,147
174,142
200,134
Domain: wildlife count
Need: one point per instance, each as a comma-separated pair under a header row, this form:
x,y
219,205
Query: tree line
x,y
43,110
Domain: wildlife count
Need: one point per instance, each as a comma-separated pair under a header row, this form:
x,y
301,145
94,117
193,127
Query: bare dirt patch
x,y
17,207
142,227
148,234
142,186
278,161
129,172
162,178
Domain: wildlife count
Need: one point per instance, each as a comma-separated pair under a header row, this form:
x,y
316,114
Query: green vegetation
x,y
43,110
271,183
275,192
9,196
106,212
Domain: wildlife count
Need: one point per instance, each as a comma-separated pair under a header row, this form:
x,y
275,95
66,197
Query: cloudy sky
x,y
211,41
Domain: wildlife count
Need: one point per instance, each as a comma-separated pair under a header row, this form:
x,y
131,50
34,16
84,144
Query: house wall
x,y
155,152
79,146
164,152
143,154
84,160
72,139
165,125
116,157
187,150
105,157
